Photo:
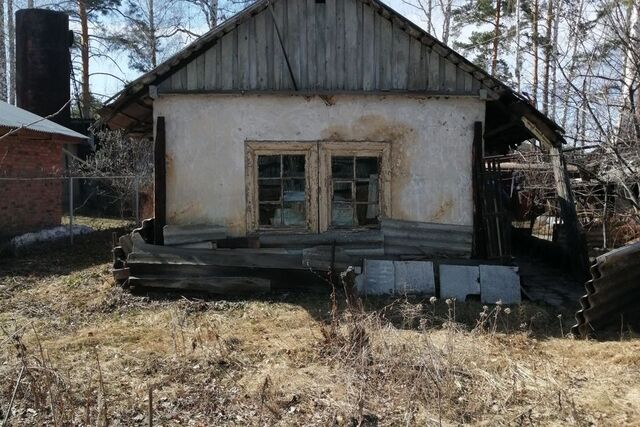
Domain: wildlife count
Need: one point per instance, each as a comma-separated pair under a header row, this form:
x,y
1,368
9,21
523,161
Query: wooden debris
x,y
179,234
209,284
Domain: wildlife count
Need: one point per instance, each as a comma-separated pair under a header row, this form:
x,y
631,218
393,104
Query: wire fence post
x,y
71,210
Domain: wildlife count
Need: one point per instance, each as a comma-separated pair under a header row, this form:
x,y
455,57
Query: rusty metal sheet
x,y
613,293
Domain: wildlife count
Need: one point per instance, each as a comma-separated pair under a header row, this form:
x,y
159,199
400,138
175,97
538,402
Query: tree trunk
x,y
152,35
496,39
3,57
518,53
12,53
547,58
213,13
554,62
446,25
84,50
30,4
534,48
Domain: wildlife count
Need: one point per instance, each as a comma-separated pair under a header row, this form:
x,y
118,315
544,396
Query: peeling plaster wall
x,y
431,149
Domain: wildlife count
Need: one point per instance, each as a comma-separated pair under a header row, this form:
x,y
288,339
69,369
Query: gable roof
x,y
12,117
308,47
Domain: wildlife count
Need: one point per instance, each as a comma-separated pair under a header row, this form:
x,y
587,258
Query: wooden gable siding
x,y
336,46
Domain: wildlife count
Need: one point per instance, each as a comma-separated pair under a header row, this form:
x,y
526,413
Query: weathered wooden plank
x,y
324,258
368,49
415,77
253,55
468,82
340,69
351,51
340,238
279,66
226,59
385,53
242,67
192,72
250,258
400,47
179,234
200,64
321,46
450,76
292,40
330,34
209,284
303,22
262,60
310,51
178,79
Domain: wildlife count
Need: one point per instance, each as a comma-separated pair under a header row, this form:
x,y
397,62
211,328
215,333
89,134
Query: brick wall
x,y
29,205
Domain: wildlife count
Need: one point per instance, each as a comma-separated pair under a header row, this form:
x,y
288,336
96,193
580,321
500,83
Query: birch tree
x,y
3,56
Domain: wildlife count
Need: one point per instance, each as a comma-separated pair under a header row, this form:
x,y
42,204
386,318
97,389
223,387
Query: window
x,y
281,190
355,191
313,186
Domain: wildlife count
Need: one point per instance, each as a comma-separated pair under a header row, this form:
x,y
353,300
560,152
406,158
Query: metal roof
x,y
15,118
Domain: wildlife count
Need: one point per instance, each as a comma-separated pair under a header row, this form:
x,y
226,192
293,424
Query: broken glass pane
x,y
268,166
270,214
342,191
342,214
294,213
269,190
366,166
293,166
342,167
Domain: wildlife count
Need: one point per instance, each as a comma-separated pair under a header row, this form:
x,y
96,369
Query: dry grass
x,y
89,353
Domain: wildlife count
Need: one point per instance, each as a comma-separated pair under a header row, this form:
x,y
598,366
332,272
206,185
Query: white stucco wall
x,y
205,141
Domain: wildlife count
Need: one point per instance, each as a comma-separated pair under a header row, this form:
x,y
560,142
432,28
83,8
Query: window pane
x,y
342,167
294,213
367,191
342,214
367,214
268,166
366,166
294,190
293,166
342,191
270,214
269,190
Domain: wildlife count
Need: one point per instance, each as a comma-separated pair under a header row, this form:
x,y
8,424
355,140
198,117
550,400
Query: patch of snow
x,y
48,234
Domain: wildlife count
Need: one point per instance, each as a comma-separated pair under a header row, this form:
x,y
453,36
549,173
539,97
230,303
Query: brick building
x,y
30,157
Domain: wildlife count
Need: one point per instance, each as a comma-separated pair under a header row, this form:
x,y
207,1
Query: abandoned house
x,y
31,164
321,131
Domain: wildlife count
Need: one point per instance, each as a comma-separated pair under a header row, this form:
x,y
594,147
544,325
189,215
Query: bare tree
x,y
3,56
12,52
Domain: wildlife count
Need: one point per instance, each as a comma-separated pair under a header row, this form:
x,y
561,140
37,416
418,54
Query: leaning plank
x,y
325,257
209,284
255,258
418,225
178,234
372,238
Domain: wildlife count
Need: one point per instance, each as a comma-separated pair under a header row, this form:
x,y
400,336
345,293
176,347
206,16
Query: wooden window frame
x,y
327,150
253,149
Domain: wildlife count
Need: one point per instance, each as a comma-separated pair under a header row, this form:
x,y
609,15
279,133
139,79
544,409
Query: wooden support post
x,y
577,249
160,183
478,247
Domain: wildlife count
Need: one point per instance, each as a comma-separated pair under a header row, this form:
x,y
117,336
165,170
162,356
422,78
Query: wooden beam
x,y
478,248
160,183
577,249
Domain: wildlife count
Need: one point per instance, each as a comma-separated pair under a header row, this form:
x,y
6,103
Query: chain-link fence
x,y
52,207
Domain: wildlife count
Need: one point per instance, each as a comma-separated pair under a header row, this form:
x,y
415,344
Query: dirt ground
x,y
87,352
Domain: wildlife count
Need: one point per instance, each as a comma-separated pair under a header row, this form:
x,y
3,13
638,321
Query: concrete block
x,y
414,277
379,277
499,283
459,281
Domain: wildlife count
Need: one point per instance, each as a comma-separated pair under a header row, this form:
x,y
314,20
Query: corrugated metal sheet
x,y
421,238
612,293
13,117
